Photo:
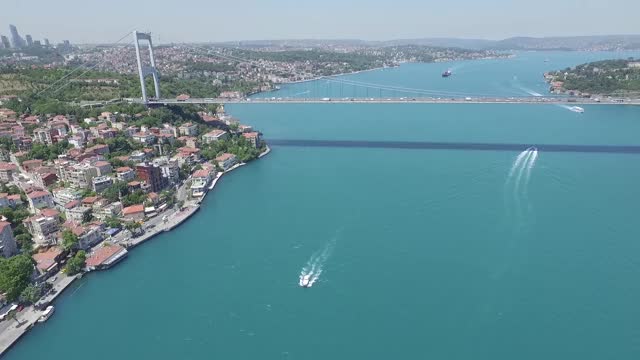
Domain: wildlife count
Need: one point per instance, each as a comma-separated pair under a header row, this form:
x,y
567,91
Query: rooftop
x,y
103,253
134,209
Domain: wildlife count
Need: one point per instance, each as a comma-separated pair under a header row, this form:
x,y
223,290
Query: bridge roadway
x,y
429,100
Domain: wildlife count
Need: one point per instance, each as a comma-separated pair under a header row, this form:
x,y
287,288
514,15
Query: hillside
x,y
608,77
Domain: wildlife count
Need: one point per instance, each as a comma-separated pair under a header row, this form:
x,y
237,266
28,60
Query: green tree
x,y
25,242
69,239
113,222
30,294
15,274
76,264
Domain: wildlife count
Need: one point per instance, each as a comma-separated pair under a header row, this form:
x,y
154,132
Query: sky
x,y
91,21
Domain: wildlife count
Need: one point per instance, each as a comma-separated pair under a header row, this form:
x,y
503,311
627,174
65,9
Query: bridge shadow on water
x,y
426,145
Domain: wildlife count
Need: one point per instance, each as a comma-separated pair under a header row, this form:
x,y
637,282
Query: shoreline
x,y
12,334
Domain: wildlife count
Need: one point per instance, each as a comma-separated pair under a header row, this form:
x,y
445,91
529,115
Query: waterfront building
x,y
8,246
214,135
133,213
48,261
253,137
226,161
106,256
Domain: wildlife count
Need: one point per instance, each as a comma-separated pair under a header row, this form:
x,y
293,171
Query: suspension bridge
x,y
337,89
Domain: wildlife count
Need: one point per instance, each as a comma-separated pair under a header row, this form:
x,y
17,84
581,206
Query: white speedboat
x,y
577,109
305,281
46,314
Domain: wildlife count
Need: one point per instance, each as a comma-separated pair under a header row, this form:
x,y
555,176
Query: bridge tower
x,y
145,70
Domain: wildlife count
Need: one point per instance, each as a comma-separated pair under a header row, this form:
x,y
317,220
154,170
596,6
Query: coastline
x,y
29,315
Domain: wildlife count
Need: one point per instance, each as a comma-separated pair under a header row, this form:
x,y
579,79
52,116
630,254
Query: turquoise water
x,y
427,254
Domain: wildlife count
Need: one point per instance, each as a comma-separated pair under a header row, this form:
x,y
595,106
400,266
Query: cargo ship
x,y
447,73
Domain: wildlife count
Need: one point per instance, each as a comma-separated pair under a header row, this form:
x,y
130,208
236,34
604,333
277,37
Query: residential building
x,y
103,168
8,246
110,210
80,175
48,261
63,196
133,213
40,200
7,170
226,161
254,138
170,169
138,156
152,175
44,229
42,136
188,129
88,235
188,156
101,183
100,149
214,135
144,137
77,213
125,173
44,179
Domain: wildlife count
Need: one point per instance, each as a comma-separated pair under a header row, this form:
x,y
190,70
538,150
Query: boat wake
x,y
315,266
517,183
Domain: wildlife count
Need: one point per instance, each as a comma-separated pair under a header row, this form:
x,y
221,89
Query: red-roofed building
x,y
226,161
7,170
133,213
125,173
253,137
29,165
106,256
48,261
100,149
40,199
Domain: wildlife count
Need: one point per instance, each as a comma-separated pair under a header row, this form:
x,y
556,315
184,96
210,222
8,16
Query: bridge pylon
x,y
146,70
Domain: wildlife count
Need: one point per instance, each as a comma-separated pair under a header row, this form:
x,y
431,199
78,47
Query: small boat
x,y
46,314
305,281
577,109
447,73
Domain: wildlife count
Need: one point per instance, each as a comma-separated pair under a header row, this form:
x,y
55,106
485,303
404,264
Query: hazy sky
x,y
83,21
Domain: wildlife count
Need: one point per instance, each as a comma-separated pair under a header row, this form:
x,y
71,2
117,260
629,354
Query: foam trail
x,y
518,162
530,165
518,182
315,265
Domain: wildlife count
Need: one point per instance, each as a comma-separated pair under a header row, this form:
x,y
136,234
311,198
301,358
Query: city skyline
x,y
331,19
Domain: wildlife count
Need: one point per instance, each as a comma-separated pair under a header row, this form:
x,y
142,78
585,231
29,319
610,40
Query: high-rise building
x,y
152,175
16,40
46,42
5,42
29,40
37,43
